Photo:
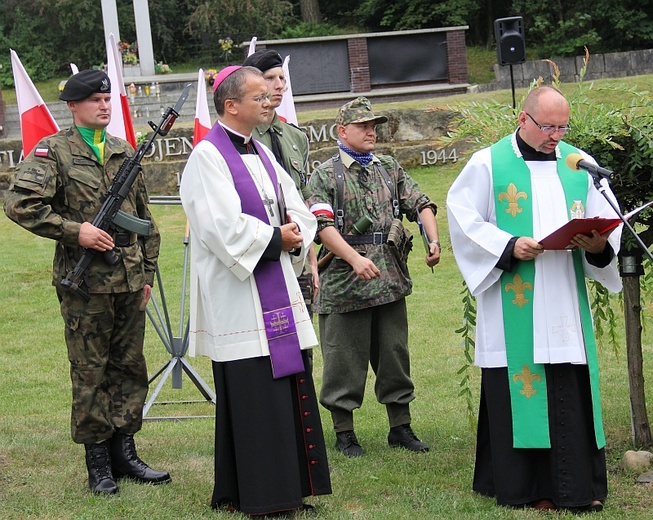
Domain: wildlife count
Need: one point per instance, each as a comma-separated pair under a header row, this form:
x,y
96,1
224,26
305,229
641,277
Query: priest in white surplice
x,y
540,435
249,228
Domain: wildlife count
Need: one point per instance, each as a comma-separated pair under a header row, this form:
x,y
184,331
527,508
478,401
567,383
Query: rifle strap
x,y
393,190
340,188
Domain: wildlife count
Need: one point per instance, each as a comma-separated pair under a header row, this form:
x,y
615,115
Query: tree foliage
x,y
564,27
416,14
261,18
49,34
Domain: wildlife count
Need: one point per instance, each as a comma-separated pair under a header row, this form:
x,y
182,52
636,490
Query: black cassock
x,y
572,473
269,445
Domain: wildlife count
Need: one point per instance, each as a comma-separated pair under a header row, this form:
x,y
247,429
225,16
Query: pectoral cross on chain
x,y
269,203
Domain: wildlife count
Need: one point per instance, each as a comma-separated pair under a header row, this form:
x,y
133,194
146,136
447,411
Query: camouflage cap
x,y
358,111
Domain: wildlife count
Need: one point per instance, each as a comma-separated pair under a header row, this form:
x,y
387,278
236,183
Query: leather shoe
x,y
126,463
403,437
347,444
544,505
596,506
98,463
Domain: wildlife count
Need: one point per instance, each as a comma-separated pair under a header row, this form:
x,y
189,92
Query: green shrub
x,y
310,30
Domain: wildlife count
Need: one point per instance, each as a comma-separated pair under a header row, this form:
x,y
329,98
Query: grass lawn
x,y
42,472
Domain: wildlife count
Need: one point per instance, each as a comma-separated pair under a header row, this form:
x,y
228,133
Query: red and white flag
x,y
286,109
121,119
36,121
202,115
252,46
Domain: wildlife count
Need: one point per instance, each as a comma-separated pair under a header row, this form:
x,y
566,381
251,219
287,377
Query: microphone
x,y
575,161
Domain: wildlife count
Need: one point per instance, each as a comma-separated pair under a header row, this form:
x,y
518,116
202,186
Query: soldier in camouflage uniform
x,y
55,193
290,147
361,302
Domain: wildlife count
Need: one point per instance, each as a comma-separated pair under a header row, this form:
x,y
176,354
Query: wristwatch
x,y
436,242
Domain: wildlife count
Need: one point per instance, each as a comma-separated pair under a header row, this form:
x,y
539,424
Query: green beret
x,y
264,60
358,111
84,83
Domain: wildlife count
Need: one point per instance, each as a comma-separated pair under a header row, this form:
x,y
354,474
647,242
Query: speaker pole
x,y
512,83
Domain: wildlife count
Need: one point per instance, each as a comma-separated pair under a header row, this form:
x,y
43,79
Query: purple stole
x,y
280,330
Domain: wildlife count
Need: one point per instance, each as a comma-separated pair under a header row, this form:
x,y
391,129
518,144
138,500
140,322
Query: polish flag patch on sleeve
x,y
321,209
41,151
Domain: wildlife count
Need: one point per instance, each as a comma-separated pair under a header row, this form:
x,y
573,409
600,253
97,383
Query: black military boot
x,y
404,437
98,463
126,463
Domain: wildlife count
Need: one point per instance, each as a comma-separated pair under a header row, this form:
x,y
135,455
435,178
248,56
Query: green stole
x,y
527,381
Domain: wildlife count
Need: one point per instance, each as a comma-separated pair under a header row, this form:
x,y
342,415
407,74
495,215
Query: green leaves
x,y
467,332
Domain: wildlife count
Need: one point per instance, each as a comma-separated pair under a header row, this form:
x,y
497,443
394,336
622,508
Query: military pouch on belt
x,y
400,241
124,238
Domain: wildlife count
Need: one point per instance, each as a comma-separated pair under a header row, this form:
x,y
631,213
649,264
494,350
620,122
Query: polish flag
x,y
202,116
286,109
121,120
36,121
252,46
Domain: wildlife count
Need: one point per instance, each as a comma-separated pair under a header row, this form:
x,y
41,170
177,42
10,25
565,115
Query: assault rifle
x,y
110,216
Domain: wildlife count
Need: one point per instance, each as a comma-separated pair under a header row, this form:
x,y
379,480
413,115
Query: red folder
x,y
561,237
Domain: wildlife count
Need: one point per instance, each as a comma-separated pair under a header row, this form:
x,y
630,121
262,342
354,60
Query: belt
x,y
376,238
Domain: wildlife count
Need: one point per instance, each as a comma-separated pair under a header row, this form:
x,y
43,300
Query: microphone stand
x,y
596,176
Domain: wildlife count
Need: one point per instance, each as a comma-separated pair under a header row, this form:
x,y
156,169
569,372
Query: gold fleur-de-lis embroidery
x,y
527,378
513,196
518,286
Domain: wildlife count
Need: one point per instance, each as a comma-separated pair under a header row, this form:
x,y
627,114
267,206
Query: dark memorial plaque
x,y
407,59
318,67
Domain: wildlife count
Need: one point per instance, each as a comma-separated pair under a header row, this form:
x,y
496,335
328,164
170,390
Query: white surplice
x,y
478,244
226,320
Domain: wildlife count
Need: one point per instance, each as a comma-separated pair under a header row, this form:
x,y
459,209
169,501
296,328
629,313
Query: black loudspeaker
x,y
511,45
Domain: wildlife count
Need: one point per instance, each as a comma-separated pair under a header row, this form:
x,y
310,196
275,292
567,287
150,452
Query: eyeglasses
x,y
259,99
548,129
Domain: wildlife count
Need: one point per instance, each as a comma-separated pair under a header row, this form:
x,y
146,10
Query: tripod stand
x,y
177,346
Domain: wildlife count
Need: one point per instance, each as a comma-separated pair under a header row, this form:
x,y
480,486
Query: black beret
x,y
84,83
263,60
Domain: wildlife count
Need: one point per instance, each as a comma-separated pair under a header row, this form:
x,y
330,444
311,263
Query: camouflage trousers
x,y
353,341
107,367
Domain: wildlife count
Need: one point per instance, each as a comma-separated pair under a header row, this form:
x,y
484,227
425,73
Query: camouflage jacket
x,y
365,193
60,185
294,148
